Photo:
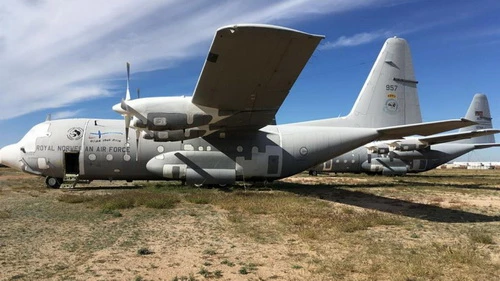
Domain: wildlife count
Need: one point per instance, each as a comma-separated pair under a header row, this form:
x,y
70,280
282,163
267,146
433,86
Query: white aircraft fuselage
x,y
96,149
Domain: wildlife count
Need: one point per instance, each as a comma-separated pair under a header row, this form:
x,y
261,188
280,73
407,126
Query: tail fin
x,y
389,96
479,111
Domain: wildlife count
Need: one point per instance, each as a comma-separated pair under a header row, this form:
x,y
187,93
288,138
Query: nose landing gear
x,y
53,182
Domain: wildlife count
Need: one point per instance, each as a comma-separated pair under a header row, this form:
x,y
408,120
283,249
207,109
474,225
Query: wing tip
x,y
234,27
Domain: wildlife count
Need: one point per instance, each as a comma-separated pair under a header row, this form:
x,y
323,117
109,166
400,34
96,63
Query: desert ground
x,y
438,225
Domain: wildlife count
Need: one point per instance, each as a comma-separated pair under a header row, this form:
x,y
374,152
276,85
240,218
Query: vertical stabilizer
x,y
389,96
479,111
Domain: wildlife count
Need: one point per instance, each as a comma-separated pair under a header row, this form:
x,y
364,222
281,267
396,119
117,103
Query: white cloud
x,y
356,39
65,114
56,53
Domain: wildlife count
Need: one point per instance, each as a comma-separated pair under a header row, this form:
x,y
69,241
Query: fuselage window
x,y
92,157
109,157
160,149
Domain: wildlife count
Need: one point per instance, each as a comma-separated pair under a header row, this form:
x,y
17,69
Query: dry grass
x,y
441,225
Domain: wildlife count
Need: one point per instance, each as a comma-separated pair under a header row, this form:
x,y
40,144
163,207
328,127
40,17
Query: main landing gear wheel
x,y
53,182
313,173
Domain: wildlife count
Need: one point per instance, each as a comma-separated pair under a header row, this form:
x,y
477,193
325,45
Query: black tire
x,y
313,173
52,182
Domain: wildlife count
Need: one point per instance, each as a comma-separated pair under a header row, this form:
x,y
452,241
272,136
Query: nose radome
x,y
10,156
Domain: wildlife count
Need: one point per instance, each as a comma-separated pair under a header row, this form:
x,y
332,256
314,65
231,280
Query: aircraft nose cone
x,y
10,156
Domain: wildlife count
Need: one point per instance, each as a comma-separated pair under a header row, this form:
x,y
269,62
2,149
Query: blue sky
x,y
68,58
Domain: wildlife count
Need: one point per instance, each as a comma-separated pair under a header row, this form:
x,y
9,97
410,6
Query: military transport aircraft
x,y
415,155
221,134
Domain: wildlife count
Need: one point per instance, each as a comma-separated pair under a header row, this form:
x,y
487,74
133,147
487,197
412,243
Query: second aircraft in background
x,y
415,155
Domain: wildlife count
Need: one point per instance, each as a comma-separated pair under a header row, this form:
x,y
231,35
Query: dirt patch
x,y
406,228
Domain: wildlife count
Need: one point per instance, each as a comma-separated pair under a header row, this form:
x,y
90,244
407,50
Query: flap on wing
x,y
423,129
457,136
251,68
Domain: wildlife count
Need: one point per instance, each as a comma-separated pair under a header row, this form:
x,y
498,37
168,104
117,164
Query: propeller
x,y
125,110
129,113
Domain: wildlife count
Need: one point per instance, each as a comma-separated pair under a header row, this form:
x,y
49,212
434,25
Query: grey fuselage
x,y
96,149
361,160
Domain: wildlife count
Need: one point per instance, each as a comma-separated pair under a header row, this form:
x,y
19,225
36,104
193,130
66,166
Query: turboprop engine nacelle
x,y
380,148
159,121
409,145
166,113
175,135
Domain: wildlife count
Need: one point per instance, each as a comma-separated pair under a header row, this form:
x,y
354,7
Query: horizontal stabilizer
x,y
423,129
457,136
485,145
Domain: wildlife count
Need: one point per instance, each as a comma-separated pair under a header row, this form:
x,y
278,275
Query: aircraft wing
x,y
485,145
249,71
424,129
457,136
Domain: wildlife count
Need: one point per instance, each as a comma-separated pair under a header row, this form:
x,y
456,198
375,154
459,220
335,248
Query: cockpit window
x,y
28,142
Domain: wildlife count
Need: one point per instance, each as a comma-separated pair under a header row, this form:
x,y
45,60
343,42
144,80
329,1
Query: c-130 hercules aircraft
x,y
220,135
416,155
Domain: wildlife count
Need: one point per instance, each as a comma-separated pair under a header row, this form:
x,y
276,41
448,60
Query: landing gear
x,y
313,173
53,182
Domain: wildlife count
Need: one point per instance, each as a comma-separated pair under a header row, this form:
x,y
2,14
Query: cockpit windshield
x,y
28,142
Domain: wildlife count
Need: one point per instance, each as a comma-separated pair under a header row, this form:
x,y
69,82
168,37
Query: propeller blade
x,y
127,94
127,127
137,136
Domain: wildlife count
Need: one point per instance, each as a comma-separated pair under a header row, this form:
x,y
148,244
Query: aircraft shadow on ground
x,y
384,204
451,185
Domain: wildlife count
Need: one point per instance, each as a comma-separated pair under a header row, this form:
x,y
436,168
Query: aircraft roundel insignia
x,y
75,133
391,106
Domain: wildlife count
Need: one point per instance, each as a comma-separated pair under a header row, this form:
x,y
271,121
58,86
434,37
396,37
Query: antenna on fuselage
x,y
49,117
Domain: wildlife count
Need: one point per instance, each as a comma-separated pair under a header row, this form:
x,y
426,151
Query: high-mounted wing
x,y
485,145
424,129
457,136
249,71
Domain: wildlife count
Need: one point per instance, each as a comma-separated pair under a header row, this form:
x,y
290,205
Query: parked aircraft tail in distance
x,y
479,111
